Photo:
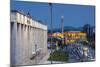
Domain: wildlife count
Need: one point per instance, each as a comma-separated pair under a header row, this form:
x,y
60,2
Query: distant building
x,y
74,36
59,35
28,39
71,36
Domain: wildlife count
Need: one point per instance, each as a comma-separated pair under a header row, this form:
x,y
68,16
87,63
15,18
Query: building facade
x,y
28,39
74,36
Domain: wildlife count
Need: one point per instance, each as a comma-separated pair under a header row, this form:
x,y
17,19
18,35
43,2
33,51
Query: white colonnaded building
x,y
28,39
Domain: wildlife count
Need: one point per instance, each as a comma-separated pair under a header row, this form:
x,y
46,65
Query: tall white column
x,y
19,45
26,45
13,42
22,42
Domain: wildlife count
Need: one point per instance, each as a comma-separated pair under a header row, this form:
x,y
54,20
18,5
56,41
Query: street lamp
x,y
50,4
62,27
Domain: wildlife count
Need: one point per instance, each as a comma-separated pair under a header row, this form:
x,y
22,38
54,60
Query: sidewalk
x,y
45,58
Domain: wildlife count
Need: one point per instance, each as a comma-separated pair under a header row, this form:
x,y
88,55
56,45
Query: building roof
x,y
74,31
28,15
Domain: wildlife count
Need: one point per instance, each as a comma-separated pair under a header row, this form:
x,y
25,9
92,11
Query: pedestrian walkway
x,y
44,60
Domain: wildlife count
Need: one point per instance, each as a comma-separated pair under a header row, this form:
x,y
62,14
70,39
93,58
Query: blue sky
x,y
74,15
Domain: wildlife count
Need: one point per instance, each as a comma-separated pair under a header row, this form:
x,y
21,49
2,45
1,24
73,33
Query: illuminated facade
x,y
74,36
71,36
58,35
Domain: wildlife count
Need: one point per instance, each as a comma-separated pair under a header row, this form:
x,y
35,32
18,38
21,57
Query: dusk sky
x,y
74,15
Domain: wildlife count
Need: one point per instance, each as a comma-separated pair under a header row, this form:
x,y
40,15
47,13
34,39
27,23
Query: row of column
x,y
23,41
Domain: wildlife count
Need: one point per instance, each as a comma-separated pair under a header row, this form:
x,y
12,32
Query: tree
x,y
86,29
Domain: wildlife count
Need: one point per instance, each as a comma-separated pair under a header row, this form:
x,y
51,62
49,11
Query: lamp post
x,y
62,27
50,4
